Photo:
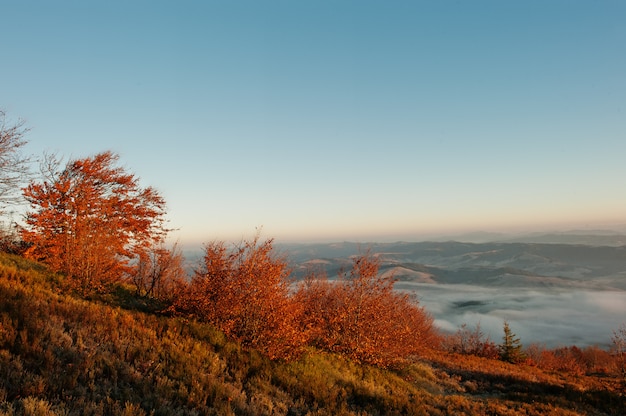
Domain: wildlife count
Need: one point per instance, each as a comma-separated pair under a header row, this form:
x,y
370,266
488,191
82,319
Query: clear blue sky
x,y
335,120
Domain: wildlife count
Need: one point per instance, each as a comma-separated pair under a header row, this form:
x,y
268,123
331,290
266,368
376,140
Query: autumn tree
x,y
511,349
244,291
363,317
91,220
160,273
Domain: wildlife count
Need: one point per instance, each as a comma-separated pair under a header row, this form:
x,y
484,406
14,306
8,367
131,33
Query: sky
x,y
335,120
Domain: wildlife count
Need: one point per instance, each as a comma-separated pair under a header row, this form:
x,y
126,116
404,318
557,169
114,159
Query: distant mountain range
x,y
539,261
573,238
585,237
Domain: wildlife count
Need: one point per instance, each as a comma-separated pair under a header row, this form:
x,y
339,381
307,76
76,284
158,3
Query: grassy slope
x,y
63,356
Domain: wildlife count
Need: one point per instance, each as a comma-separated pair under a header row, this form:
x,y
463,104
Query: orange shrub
x,y
362,317
471,342
244,291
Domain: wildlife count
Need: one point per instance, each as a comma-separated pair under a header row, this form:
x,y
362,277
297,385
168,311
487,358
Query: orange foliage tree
x,y
160,273
363,317
91,221
244,291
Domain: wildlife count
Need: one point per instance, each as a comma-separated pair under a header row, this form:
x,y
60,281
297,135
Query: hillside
x,y
60,355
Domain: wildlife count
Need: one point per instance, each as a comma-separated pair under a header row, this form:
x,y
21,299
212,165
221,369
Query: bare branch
x,y
14,166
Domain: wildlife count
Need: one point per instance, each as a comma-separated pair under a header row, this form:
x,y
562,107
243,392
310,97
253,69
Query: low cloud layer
x,y
552,318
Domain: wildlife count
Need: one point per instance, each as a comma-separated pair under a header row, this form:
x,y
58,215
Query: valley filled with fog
x,y
545,316
553,294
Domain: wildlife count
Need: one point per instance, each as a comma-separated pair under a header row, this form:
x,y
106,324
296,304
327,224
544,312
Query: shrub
x,y
362,317
244,291
471,341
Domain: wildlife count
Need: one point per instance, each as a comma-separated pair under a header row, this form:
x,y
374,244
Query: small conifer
x,y
511,347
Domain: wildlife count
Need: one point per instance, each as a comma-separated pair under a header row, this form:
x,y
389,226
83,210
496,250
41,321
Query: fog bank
x,y
553,317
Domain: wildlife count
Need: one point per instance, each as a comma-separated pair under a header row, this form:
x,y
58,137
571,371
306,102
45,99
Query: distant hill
x,y
616,237
574,237
567,265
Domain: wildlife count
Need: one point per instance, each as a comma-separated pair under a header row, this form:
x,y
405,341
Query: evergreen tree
x,y
511,347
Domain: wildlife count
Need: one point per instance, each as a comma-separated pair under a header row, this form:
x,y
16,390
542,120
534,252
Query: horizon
x,y
468,236
193,250
320,121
